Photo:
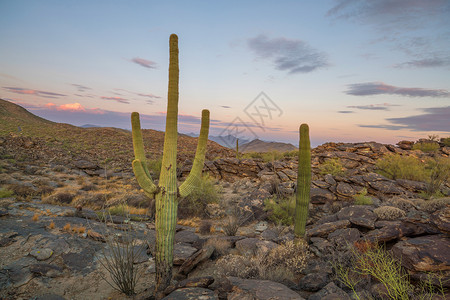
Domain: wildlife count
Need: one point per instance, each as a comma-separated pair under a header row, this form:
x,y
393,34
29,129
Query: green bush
x,y
265,156
446,141
426,146
362,199
154,165
281,210
332,166
438,173
195,204
395,166
4,193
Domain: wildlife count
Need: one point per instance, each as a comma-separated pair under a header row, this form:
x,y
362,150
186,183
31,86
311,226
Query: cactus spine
x,y
166,193
303,182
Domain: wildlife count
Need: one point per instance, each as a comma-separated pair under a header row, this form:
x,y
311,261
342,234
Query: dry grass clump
x,y
51,225
22,191
389,213
94,200
205,227
64,196
35,217
221,246
280,264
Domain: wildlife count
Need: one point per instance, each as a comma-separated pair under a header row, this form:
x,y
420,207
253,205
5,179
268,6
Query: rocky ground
x,y
50,251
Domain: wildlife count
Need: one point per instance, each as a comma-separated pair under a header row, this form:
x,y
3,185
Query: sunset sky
x,y
354,70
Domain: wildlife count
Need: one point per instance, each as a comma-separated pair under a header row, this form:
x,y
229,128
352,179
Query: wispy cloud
x,y
149,96
369,107
118,99
145,63
388,127
379,88
345,111
293,56
225,106
80,88
434,119
25,91
393,12
425,63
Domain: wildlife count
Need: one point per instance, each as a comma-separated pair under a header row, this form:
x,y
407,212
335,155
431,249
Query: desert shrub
x,y
154,165
332,166
428,146
290,154
119,259
88,187
205,227
221,246
270,156
195,204
389,213
94,200
362,199
395,166
5,193
22,191
279,264
439,173
281,210
236,217
60,197
445,141
434,204
45,190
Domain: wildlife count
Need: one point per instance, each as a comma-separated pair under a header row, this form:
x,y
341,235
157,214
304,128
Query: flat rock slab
x,y
264,289
186,236
181,252
359,215
194,293
79,261
323,230
424,254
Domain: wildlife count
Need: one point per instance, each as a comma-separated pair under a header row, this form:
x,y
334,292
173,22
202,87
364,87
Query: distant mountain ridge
x,y
262,146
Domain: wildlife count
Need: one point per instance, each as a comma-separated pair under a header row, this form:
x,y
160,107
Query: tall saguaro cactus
x,y
166,193
303,182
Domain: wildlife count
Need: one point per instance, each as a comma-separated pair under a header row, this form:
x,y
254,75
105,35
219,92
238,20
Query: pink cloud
x,y
73,107
24,91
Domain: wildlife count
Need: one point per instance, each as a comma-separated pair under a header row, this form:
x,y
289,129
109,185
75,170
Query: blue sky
x,y
354,70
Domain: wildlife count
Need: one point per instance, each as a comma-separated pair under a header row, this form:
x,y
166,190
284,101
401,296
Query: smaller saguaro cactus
x,y
303,183
237,148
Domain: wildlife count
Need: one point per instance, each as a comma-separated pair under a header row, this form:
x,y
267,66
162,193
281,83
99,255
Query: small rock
x,y
192,293
42,254
313,282
46,270
261,226
186,236
327,228
182,252
263,289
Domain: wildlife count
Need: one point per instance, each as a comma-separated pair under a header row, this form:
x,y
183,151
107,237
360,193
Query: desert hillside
x,y
69,199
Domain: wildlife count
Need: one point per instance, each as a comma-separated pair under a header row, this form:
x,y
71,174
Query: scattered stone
x,y
424,254
330,289
313,282
192,293
323,230
46,270
186,236
42,254
261,226
247,246
182,252
264,289
359,215
196,259
344,237
50,297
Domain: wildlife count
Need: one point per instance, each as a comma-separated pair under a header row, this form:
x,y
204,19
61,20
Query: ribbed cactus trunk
x,y
303,183
166,193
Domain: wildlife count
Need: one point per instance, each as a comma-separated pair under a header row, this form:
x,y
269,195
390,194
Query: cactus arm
x,y
138,143
303,183
143,179
193,179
